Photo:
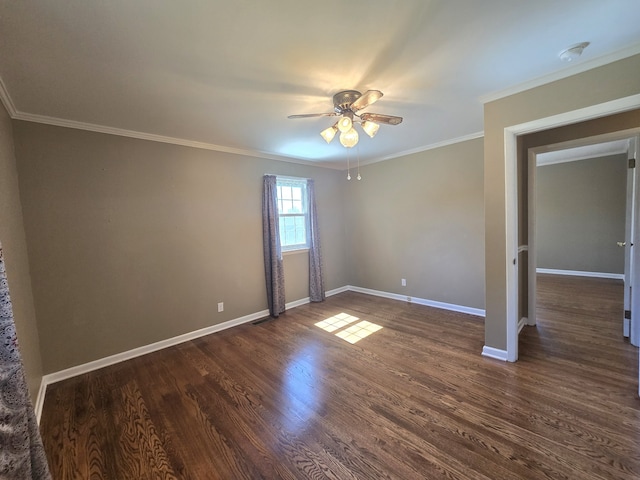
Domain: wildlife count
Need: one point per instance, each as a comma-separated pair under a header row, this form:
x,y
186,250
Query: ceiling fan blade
x,y
309,115
379,118
369,97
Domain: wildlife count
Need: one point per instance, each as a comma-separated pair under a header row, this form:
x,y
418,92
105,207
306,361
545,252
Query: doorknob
x,y
621,244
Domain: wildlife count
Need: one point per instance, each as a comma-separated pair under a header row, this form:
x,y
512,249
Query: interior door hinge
x,y
627,314
632,163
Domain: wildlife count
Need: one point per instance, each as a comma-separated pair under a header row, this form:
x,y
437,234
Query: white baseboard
x,y
420,301
580,273
523,321
296,303
336,291
153,347
37,407
305,300
494,353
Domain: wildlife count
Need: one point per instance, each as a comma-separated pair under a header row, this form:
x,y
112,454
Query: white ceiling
x,y
225,74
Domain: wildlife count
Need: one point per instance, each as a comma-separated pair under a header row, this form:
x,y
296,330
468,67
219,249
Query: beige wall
x,y
580,214
132,242
616,80
12,237
420,217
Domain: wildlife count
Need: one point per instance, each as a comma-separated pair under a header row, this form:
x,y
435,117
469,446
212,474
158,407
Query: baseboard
x,y
37,407
296,303
523,321
580,273
304,301
420,301
336,291
379,293
494,353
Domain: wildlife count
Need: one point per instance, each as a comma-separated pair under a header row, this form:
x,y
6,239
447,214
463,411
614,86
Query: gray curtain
x,y
316,280
21,452
274,273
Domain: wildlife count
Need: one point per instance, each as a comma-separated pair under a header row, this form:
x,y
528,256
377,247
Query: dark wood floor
x,y
286,399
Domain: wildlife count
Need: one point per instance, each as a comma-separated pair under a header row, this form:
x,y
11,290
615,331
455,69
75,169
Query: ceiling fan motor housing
x,y
342,100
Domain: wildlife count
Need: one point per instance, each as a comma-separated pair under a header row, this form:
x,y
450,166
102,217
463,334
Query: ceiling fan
x,y
346,105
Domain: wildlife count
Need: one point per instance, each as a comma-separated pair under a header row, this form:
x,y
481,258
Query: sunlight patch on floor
x,y
336,322
352,334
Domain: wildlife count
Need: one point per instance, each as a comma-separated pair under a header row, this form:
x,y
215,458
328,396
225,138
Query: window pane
x,y
290,229
292,204
300,231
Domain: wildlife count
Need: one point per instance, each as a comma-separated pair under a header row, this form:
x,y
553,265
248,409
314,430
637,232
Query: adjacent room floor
x,y
361,387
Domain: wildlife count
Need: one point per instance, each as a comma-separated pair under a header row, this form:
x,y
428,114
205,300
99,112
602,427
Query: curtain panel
x,y
22,455
316,279
273,269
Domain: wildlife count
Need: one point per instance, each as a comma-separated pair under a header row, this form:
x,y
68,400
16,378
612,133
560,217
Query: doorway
x,y
617,117
581,214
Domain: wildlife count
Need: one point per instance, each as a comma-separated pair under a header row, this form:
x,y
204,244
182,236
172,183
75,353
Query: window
x,y
293,213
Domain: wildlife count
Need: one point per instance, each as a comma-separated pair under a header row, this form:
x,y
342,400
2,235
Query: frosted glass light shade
x,y
370,128
345,124
349,139
329,133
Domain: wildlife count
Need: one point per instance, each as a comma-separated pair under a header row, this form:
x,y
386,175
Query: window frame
x,y
282,181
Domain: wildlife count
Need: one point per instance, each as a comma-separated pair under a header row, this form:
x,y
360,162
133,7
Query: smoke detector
x,y
573,52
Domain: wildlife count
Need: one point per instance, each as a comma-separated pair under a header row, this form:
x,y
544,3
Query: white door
x,y
627,242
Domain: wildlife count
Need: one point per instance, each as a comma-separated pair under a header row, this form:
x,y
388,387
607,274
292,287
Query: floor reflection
x,y
302,396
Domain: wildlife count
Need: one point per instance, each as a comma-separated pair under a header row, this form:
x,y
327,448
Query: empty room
x,y
347,240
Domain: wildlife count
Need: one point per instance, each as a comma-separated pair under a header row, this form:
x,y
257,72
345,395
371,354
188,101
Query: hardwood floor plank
x,y
287,399
143,455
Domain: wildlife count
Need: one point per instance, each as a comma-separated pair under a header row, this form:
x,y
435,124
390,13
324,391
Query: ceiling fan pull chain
x,y
348,168
358,153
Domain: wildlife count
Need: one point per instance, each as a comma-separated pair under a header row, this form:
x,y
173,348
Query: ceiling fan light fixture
x,y
370,128
349,138
329,133
345,124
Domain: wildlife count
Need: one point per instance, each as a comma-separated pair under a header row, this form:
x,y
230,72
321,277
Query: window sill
x,y
292,252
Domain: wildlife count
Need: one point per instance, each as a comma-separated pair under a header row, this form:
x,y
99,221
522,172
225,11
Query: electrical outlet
x,y
404,282
221,307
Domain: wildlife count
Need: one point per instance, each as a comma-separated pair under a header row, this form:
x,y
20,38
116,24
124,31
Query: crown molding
x,y
567,72
6,100
92,127
432,146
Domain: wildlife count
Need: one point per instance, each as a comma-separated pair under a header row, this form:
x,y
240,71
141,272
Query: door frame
x,y
634,253
511,134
